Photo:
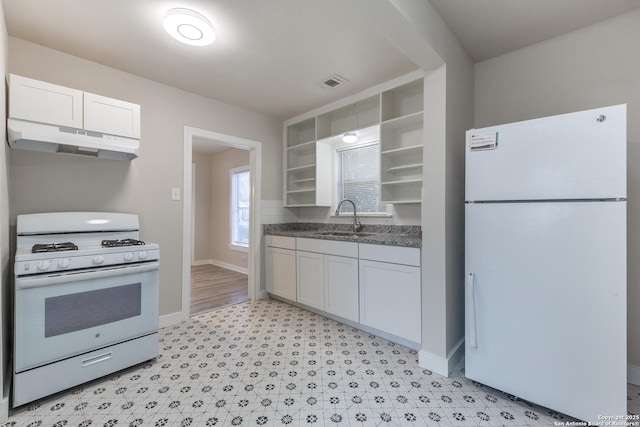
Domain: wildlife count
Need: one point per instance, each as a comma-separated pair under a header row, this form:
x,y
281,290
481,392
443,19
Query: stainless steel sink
x,y
343,234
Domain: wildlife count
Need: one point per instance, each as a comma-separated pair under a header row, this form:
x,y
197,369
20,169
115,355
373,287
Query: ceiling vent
x,y
332,81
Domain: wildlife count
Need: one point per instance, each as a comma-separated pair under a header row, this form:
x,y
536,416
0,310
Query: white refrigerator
x,y
546,261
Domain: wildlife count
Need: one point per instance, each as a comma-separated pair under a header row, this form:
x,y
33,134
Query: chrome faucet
x,y
357,226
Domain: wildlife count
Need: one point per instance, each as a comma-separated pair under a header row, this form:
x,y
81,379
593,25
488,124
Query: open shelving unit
x,y
352,117
395,114
302,154
401,142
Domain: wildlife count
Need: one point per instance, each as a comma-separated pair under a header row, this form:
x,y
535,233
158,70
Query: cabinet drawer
x,y
281,242
29,385
393,254
331,247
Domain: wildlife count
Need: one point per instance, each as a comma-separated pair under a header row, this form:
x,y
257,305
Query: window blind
x,y
360,178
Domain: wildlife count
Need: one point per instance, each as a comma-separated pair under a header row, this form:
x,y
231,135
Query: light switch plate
x,y
175,194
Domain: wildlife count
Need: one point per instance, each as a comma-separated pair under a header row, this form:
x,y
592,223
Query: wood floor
x,y
213,287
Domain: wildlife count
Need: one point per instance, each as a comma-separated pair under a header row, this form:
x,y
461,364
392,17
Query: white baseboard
x,y
263,294
442,365
171,319
228,266
633,374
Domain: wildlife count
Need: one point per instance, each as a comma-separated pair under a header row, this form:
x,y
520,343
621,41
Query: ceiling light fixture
x,y
349,137
189,27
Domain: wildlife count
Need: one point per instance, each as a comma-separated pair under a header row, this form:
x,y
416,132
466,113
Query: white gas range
x,y
86,300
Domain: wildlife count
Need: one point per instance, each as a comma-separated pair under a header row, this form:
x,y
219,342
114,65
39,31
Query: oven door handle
x,y
81,276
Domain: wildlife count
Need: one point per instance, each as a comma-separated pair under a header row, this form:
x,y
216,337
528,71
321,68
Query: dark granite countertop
x,y
393,235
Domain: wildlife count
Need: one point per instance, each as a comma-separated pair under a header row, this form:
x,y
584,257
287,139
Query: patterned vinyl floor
x,y
268,363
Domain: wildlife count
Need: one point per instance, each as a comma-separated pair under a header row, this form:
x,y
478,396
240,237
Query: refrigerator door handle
x,y
473,339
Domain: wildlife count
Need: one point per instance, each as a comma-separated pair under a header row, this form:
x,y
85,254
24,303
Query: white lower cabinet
x,y
310,279
341,287
280,266
374,285
328,276
390,294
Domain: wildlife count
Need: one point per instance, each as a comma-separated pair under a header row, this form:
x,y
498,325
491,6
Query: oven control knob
x,y
128,256
64,263
142,255
44,265
98,259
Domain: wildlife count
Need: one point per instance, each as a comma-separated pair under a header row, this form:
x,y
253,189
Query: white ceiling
x,y
490,28
270,54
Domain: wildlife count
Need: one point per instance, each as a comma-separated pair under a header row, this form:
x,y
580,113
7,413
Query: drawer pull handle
x,y
97,359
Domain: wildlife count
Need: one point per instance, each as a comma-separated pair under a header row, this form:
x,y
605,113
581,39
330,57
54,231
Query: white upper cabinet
x,y
43,102
112,116
47,103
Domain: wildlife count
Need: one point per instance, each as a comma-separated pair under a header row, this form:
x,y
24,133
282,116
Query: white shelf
x,y
310,161
308,145
402,149
302,191
400,202
401,181
403,100
301,168
408,191
355,116
403,121
404,167
301,133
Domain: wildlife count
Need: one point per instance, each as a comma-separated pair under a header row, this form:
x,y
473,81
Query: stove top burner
x,y
123,242
53,247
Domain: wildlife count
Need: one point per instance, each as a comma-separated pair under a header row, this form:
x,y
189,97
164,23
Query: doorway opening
x,y
221,221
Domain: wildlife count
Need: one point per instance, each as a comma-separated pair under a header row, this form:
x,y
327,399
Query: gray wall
x,y
448,113
43,182
417,30
589,68
212,230
221,164
202,205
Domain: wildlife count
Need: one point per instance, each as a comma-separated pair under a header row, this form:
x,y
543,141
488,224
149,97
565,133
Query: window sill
x,y
239,248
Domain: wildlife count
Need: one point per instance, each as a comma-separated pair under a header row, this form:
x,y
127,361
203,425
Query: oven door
x,y
59,316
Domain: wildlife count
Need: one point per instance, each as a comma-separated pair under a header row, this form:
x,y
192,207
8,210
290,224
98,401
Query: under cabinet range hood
x,y
60,139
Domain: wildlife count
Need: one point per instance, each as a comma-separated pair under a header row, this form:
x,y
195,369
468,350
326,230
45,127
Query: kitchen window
x,y
239,215
359,178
